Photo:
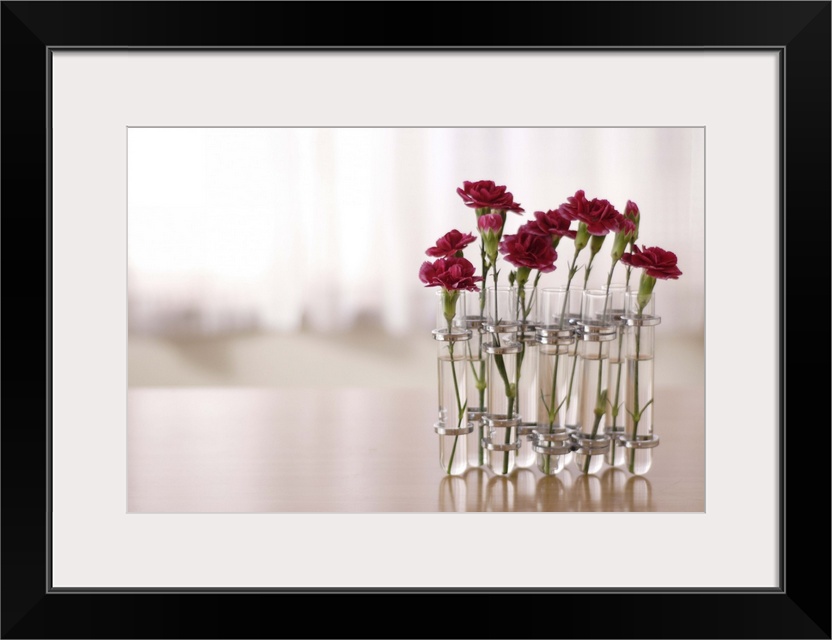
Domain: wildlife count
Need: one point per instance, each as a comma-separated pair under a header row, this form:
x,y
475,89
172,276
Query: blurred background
x,y
290,257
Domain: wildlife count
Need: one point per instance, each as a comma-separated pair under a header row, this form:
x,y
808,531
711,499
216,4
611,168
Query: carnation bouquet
x,y
508,319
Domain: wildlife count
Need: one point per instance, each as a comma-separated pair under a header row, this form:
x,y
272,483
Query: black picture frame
x,y
31,608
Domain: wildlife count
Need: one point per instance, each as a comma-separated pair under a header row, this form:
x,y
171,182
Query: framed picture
x,y
753,77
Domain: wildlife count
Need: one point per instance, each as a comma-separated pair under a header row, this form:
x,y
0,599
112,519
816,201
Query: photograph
x,y
359,320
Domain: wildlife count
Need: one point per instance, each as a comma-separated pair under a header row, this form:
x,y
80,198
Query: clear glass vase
x,y
552,449
527,306
452,425
473,306
597,331
556,338
502,320
639,439
527,393
501,440
617,379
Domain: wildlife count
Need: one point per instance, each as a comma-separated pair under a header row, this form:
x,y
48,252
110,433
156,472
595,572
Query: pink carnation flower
x,y
599,216
529,250
452,274
575,206
485,194
656,262
550,223
448,245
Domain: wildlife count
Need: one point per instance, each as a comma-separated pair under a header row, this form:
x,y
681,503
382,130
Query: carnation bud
x,y
632,213
645,290
491,228
596,243
582,237
624,236
449,299
619,245
492,244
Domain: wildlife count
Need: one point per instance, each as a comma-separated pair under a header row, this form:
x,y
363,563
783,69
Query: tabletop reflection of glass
x,y
613,490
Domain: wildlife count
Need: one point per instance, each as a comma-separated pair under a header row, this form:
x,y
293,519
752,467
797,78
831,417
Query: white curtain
x,y
239,229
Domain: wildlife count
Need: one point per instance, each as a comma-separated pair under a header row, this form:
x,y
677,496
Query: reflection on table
x,y
245,450
524,490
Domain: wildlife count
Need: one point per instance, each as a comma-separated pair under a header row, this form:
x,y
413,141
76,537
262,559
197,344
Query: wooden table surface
x,y
269,450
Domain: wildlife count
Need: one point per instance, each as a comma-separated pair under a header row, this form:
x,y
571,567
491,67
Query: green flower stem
x,y
517,375
645,289
601,394
572,378
615,405
501,367
572,271
616,402
525,310
481,381
599,411
481,388
480,384
636,411
588,269
508,436
496,313
575,361
485,267
480,434
459,404
517,369
600,398
521,295
630,246
552,411
498,359
479,378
